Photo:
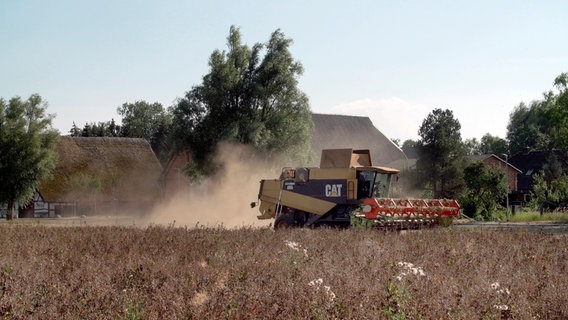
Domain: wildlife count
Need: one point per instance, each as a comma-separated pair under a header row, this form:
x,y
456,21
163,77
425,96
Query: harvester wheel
x,y
282,222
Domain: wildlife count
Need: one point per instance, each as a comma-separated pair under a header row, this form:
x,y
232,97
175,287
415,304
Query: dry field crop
x,y
254,273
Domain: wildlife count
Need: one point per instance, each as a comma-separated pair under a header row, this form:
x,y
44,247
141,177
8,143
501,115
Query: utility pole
x,y
507,193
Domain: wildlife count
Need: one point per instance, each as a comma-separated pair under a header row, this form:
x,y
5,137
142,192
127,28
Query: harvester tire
x,y
282,222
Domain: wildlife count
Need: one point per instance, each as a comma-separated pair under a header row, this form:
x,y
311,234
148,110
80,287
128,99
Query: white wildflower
x,y
501,307
497,287
408,268
318,283
296,247
292,245
330,293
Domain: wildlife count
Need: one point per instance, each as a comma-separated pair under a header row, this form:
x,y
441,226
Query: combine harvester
x,y
346,190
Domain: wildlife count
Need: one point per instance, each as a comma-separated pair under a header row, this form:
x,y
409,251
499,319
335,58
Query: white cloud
x,y
394,117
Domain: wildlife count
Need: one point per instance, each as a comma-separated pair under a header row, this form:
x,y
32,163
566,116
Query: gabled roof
x,y
483,157
533,161
353,132
126,168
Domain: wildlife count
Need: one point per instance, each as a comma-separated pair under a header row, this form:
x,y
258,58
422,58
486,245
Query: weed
x,y
133,312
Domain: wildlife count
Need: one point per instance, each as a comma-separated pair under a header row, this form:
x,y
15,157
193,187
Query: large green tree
x,y
149,121
557,112
528,127
543,124
441,154
250,96
27,154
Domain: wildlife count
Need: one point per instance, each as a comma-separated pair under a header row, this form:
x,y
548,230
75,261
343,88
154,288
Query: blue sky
x,y
394,61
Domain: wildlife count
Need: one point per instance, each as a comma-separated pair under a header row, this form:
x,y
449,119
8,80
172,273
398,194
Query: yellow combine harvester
x,y
345,188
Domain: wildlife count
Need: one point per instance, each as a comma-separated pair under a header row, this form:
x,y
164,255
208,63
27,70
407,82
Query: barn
x,y
99,176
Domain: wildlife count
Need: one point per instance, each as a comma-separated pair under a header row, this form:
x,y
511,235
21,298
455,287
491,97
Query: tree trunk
x,y
9,215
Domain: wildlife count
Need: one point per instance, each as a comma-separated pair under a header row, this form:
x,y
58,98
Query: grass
x,y
533,216
213,273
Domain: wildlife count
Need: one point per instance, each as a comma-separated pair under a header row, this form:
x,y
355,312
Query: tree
x,y
544,123
557,112
100,129
472,146
550,187
149,121
75,131
493,145
441,153
247,99
528,127
485,187
27,153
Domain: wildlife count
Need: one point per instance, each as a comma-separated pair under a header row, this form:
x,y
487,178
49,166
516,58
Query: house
x,y
489,160
532,162
99,175
495,162
38,208
329,132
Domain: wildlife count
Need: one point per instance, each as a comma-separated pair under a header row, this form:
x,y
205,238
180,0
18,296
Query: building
x,y
99,175
531,163
495,162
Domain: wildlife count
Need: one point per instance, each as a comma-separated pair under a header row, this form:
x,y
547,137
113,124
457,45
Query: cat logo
x,y
333,190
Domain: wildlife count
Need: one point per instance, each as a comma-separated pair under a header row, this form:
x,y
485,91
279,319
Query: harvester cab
x,y
344,189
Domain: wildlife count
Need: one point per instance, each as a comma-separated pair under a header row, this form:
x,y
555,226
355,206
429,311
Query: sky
x,y
393,61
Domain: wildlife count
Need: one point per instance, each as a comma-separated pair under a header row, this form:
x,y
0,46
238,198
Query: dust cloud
x,y
222,200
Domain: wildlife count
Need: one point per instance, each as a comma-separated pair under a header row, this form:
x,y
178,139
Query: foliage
x,y
493,145
441,154
557,112
485,187
528,127
489,144
246,99
472,147
100,129
149,121
549,193
544,123
26,148
408,144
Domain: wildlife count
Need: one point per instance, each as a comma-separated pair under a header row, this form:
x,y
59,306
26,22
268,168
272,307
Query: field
x,y
168,272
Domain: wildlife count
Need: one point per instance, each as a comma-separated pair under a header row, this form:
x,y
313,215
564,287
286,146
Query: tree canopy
x,y
149,121
26,148
250,96
485,187
543,124
441,153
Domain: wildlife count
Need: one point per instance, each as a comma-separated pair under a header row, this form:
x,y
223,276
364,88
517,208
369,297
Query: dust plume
x,y
221,200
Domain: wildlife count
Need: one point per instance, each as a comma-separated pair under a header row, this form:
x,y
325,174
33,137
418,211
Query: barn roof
x,y
354,132
125,168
